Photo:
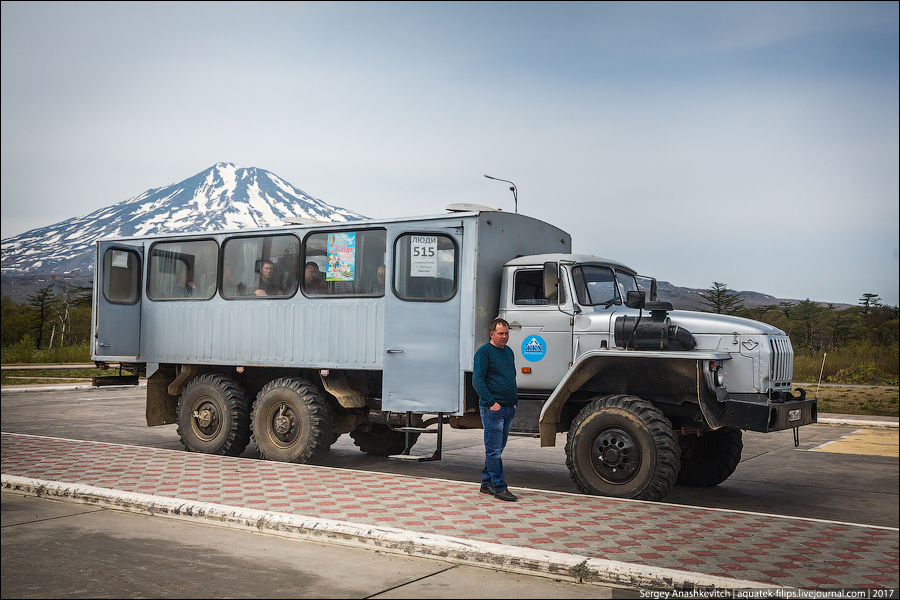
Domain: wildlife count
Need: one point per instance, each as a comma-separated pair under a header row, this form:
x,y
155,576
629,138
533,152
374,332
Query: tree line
x,y
813,326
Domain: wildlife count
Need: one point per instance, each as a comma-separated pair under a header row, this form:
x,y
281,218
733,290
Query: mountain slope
x,y
222,197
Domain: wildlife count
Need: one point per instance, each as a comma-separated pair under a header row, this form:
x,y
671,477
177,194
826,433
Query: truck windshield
x,y
594,285
597,286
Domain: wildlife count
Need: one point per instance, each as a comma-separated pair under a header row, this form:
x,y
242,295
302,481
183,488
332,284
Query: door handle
x,y
392,351
515,325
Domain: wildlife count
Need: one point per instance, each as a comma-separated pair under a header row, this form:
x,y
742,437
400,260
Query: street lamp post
x,y
512,189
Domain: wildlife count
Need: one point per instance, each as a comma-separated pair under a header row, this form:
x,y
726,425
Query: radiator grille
x,y
782,365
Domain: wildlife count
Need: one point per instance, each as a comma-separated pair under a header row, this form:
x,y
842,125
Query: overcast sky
x,y
750,144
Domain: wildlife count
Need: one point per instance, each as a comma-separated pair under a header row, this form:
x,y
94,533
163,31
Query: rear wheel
x,y
381,440
292,422
710,458
213,416
624,447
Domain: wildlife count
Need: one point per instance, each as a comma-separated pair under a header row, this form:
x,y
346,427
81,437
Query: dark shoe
x,y
506,495
486,489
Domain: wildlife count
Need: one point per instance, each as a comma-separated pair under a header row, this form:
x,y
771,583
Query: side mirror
x,y
635,299
551,281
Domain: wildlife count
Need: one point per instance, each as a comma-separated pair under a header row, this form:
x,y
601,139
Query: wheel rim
x,y
284,425
615,455
206,420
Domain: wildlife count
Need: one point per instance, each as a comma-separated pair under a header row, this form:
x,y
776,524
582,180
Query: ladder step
x,y
103,380
410,457
415,429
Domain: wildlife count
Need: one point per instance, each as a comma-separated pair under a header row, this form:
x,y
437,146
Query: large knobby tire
x,y
710,458
381,440
624,447
292,422
213,416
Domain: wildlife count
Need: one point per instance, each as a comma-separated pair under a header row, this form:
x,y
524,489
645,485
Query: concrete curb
x,y
24,389
862,422
512,559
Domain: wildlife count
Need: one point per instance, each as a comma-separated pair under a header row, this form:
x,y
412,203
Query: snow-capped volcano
x,y
222,197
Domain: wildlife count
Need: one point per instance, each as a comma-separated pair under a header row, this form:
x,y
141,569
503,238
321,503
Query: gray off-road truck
x,y
292,336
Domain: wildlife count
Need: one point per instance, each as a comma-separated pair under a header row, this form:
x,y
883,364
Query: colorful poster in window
x,y
341,257
423,256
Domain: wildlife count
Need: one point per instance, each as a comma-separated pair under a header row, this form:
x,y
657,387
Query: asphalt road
x,y
826,477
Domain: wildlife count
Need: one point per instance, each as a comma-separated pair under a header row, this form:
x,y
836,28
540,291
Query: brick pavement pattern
x,y
780,551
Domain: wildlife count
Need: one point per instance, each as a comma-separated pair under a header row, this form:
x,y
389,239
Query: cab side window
x,y
529,289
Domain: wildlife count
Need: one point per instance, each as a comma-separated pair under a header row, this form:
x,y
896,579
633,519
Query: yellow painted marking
x,y
865,441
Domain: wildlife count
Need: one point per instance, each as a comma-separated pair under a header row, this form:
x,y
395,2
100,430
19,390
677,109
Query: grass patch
x,y
872,401
25,353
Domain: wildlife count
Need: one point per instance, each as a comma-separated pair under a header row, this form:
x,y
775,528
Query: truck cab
x,y
591,348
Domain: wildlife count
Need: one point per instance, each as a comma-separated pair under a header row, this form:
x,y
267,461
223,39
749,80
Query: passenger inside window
x,y
378,286
231,284
185,286
312,279
266,285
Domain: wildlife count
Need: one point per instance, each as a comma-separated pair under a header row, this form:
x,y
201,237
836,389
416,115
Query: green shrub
x,y
20,352
859,363
24,352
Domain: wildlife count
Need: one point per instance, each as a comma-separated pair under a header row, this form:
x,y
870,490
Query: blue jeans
x,y
496,425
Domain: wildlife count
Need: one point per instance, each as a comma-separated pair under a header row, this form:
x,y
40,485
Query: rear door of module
x,y
117,301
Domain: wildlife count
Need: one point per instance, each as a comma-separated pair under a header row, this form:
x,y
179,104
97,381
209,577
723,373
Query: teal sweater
x,y
494,376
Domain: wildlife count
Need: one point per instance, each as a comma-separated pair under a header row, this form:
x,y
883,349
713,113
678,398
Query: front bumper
x,y
757,412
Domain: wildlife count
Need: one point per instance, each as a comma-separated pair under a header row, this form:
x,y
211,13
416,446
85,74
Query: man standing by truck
x,y
494,379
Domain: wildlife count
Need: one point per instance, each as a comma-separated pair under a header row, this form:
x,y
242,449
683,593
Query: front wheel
x,y
711,458
624,447
213,416
292,422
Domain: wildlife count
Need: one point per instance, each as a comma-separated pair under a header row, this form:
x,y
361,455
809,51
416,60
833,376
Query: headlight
x,y
716,374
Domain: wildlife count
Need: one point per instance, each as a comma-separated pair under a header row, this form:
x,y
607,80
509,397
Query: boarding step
x,y
408,430
104,380
416,429
412,457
